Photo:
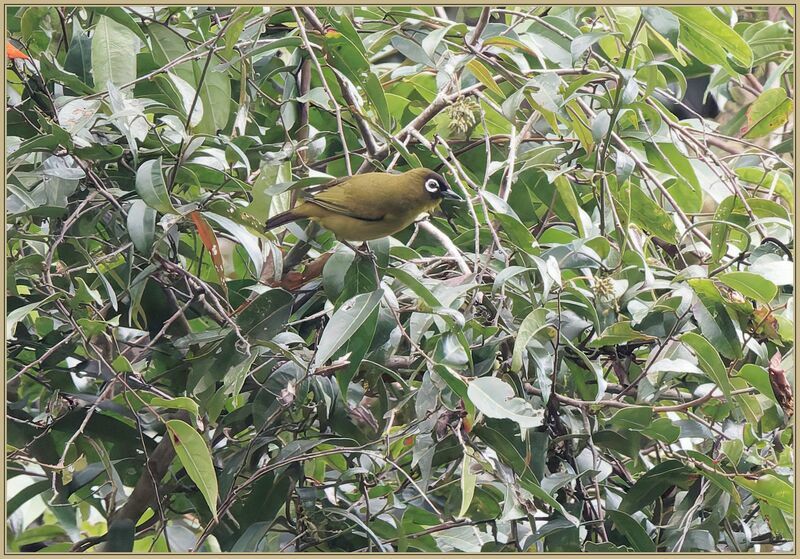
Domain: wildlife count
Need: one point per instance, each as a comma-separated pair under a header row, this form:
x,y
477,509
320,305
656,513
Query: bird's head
x,y
435,185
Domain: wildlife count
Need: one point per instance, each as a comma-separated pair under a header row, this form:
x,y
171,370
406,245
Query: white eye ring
x,y
432,186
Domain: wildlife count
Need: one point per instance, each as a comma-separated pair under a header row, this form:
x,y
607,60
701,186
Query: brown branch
x,y
146,488
584,404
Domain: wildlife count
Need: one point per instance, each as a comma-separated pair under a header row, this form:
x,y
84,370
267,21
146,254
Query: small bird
x,y
372,205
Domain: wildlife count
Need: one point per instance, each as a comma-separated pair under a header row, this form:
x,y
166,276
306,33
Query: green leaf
x,y
178,403
508,43
771,490
517,232
142,226
468,479
151,186
416,286
239,19
713,318
750,285
457,384
113,54
653,484
195,458
100,152
663,429
567,195
495,398
357,347
581,43
720,228
619,333
52,71
377,97
709,360
624,166
711,40
344,323
534,323
79,60
122,17
484,75
182,96
633,531
266,316
663,22
412,51
19,313
646,213
167,46
635,419
248,240
772,181
767,113
215,92
758,378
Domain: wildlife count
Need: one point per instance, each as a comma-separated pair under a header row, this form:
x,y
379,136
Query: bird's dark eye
x,y
432,186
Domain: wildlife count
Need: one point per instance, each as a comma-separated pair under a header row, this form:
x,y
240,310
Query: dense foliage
x,y
592,353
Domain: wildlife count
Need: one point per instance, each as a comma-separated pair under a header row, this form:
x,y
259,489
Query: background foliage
x,y
592,355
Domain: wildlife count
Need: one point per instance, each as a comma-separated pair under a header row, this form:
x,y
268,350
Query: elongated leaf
x,y
247,239
195,458
750,285
495,398
720,228
534,323
771,490
151,186
633,531
179,403
468,479
709,360
209,239
19,313
654,483
770,111
758,378
708,38
712,315
142,226
215,92
662,21
122,17
619,333
344,323
567,195
113,54
377,97
484,75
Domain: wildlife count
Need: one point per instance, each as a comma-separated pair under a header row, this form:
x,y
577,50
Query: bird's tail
x,y
280,219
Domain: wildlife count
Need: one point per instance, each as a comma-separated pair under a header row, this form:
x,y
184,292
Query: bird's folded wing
x,y
352,200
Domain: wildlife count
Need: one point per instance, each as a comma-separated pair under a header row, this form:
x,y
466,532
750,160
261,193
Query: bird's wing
x,y
354,197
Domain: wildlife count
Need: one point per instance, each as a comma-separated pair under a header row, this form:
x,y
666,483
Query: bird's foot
x,y
363,252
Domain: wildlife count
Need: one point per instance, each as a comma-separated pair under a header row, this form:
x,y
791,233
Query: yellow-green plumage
x,y
370,206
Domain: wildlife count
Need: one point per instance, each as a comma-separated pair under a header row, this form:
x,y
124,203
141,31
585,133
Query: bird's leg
x,y
366,252
363,252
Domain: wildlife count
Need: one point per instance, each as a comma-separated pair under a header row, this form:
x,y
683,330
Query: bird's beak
x,y
450,195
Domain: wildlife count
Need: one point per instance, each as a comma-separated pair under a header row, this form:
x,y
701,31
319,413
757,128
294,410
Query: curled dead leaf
x,y
780,385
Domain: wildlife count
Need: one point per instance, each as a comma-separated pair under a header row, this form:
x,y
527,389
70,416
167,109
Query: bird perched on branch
x,y
372,205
